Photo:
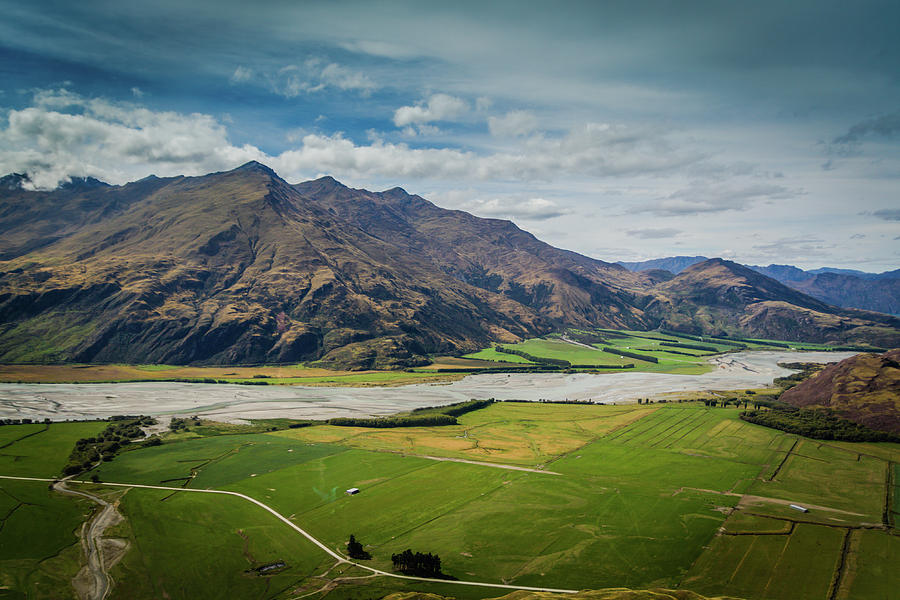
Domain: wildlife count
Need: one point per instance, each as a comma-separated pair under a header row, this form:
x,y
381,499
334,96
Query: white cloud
x,y
706,197
654,234
137,92
513,123
241,74
65,134
379,48
316,75
439,107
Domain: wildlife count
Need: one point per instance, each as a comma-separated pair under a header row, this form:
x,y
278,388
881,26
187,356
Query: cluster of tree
x,y
726,402
106,444
456,409
820,424
805,371
355,549
857,349
403,421
678,334
177,424
700,347
417,563
621,352
585,337
557,362
545,401
503,369
725,342
23,421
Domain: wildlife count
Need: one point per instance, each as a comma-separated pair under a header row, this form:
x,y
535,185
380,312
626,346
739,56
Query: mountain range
x,y
241,267
848,288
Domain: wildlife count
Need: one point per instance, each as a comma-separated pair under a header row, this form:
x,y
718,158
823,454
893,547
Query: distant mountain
x,y
864,388
841,287
672,264
720,297
242,267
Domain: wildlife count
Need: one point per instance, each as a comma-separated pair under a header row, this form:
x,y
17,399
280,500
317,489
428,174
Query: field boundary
x,y
303,532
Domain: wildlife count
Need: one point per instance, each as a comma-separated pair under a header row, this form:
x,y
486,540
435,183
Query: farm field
x,y
663,495
679,359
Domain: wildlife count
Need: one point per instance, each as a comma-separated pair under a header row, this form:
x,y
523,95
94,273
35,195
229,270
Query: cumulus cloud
x,y
439,107
513,123
653,234
64,134
706,197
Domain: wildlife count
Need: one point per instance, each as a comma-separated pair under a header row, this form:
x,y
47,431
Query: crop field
x,y
668,495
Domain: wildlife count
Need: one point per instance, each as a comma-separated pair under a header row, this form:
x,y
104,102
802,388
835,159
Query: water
x,y
235,403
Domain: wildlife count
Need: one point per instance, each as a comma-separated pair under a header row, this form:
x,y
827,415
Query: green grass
x,y
39,549
640,500
798,566
45,453
198,546
493,355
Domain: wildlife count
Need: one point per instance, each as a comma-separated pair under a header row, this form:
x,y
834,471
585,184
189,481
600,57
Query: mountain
x,y
847,288
672,264
241,267
864,388
720,297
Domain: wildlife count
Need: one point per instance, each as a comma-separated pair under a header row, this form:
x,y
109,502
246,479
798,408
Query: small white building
x,y
800,508
352,491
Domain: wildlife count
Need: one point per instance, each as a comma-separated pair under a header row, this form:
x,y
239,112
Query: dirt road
x,y
97,580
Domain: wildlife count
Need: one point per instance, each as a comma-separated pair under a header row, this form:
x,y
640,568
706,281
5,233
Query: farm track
x,y
91,539
299,530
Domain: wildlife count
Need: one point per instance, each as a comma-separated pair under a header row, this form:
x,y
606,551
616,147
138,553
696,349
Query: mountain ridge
x,y
846,288
242,267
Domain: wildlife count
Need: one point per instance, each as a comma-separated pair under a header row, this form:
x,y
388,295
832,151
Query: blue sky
x,y
765,132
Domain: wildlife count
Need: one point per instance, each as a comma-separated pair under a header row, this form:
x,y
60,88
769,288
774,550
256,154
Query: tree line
x,y
820,424
105,445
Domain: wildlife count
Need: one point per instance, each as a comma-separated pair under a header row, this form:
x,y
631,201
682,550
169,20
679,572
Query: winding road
x,y
91,538
286,521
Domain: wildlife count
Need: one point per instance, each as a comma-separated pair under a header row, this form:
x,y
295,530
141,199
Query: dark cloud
x,y
883,126
888,214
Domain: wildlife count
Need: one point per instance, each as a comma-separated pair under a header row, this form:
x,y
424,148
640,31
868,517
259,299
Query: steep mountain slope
x,y
228,268
722,297
241,267
864,388
492,254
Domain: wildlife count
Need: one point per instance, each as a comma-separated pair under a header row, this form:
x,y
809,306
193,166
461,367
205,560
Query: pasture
x,y
668,495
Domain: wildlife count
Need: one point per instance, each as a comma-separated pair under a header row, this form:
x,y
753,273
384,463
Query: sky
x,y
763,132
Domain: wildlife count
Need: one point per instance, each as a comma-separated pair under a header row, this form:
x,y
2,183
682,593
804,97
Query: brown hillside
x,y
720,297
242,268
864,388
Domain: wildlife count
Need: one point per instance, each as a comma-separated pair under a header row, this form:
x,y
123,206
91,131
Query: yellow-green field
x,y
667,495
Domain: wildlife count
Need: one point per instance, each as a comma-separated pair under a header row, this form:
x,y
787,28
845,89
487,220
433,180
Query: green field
x,y
678,359
670,495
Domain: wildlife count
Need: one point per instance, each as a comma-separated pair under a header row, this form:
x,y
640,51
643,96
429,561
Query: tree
x,y
355,549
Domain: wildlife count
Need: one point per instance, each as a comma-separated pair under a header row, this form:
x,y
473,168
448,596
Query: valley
x,y
663,495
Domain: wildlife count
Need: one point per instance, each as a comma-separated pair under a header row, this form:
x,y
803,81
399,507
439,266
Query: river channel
x,y
235,403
